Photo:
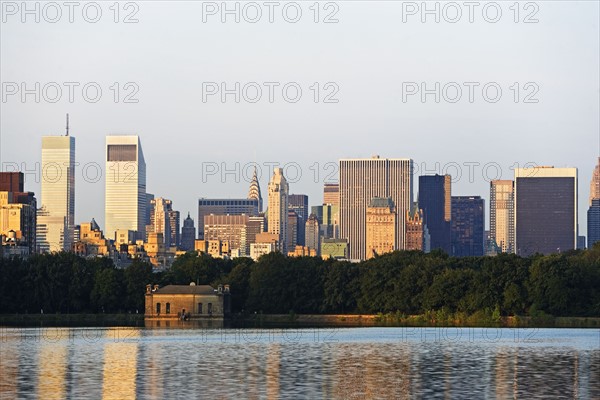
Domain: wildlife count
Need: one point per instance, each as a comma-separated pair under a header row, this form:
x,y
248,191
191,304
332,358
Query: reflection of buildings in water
x,y
273,370
120,363
9,362
504,383
150,363
380,371
52,363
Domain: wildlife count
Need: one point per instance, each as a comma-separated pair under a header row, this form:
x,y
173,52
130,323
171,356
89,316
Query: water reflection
x,y
373,363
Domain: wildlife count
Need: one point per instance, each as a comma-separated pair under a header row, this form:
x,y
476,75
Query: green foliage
x,y
439,289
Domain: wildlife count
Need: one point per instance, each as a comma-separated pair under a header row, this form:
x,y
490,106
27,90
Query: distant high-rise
x,y
593,214
331,193
277,212
18,213
545,210
254,191
188,234
312,233
502,215
125,192
299,203
224,207
434,200
381,227
360,181
467,226
174,224
414,229
593,223
55,222
292,230
595,183
159,219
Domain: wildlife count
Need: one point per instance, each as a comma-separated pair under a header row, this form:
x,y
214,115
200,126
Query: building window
x,y
158,308
209,308
168,308
199,308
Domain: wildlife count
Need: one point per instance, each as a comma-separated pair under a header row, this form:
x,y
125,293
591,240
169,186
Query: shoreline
x,y
298,321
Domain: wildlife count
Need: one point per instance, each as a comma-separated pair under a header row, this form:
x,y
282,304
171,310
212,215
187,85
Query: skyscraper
x,y
223,207
381,227
299,204
125,195
331,193
55,222
254,191
467,226
18,212
595,183
545,210
414,229
434,200
502,215
188,234
593,214
360,181
159,219
173,218
277,213
313,234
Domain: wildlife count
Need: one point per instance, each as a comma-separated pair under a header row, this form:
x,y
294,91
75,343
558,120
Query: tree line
x,y
408,282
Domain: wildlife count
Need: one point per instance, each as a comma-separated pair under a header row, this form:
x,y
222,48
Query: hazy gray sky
x,y
369,55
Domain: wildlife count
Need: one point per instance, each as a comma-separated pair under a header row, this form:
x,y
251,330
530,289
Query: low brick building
x,y
187,302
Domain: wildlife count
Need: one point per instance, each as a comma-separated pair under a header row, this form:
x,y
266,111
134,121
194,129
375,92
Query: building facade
x,y
277,212
593,214
188,234
18,212
224,207
331,194
312,233
299,204
187,302
414,229
502,215
125,192
381,227
360,181
468,221
56,219
434,200
545,210
593,223
254,191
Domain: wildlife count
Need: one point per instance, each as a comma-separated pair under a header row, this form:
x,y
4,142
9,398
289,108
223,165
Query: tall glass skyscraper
x,y
468,218
361,180
125,195
545,210
55,222
434,199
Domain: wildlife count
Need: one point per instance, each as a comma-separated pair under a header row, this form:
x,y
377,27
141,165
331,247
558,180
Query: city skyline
x,y
177,128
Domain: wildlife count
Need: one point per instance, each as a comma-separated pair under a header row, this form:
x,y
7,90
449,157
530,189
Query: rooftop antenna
x,y
67,125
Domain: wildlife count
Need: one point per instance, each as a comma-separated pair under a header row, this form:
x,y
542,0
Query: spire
x,y
67,125
254,192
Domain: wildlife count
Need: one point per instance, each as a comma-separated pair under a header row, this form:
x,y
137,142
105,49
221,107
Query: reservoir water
x,y
335,363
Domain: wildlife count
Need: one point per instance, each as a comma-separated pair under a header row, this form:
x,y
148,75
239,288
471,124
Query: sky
x,y
317,82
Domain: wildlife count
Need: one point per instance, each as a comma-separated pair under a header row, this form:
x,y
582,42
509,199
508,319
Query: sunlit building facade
x,y
502,215
360,181
55,222
381,227
277,212
125,193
